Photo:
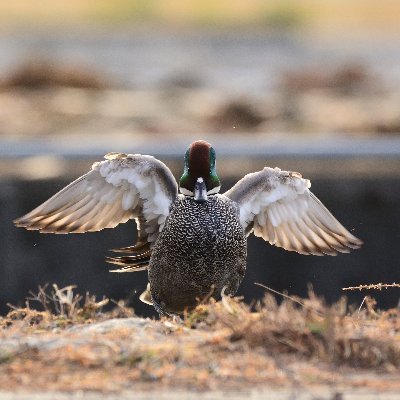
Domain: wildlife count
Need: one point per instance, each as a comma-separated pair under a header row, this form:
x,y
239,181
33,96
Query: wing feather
x,y
287,214
120,188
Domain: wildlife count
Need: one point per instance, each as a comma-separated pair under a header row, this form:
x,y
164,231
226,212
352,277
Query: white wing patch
x,y
276,190
279,207
117,189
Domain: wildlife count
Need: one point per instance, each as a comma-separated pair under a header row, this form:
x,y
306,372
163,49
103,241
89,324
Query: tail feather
x,y
131,258
139,246
130,268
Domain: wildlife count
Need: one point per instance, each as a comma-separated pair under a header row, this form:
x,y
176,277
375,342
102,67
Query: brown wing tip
x,y
351,241
27,221
21,221
30,225
27,224
345,245
342,244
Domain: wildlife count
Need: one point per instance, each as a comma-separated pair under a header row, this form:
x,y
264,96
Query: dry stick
x,y
376,286
290,298
359,308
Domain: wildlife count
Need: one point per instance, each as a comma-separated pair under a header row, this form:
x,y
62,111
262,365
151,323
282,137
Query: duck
x,y
191,239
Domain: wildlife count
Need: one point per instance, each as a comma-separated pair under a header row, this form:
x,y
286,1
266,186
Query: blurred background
x,y
308,86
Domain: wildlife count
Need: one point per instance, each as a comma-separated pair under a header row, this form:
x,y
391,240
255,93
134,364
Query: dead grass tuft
x,y
338,334
61,308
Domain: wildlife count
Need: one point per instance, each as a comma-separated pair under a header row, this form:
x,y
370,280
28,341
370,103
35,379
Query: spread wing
x,y
120,188
279,207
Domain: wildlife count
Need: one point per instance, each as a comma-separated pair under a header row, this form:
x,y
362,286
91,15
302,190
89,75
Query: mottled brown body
x,y
201,249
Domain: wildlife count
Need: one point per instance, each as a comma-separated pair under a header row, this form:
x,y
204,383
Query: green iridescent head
x,y
200,169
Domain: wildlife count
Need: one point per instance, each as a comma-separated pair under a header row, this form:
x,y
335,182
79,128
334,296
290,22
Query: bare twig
x,y
373,286
294,300
359,308
280,294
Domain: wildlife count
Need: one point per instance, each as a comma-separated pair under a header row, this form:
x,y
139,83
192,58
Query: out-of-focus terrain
x,y
40,98
176,68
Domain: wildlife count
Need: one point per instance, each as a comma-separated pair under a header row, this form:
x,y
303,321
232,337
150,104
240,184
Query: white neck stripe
x,y
190,193
186,192
215,190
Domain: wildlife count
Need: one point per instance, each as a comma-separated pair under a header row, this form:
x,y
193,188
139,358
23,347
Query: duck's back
x,y
202,247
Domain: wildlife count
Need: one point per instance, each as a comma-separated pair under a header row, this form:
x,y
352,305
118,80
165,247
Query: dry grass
x,y
72,344
53,307
364,338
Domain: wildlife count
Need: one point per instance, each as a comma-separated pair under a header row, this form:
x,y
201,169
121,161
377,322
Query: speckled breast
x,y
201,249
